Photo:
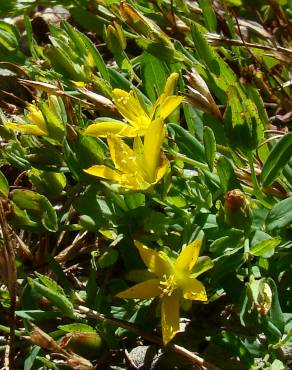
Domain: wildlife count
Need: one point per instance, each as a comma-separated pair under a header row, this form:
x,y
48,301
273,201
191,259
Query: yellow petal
x,y
169,86
27,129
103,129
168,106
153,140
157,262
123,156
138,149
129,106
170,83
36,117
104,172
194,290
163,168
188,256
169,316
144,290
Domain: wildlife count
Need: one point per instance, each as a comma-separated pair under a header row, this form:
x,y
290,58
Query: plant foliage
x,y
145,144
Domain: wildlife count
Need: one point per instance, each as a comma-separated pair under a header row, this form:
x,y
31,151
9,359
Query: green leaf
x,y
37,208
4,186
287,171
96,57
50,283
277,365
134,200
210,146
49,183
187,143
108,258
279,156
265,248
77,327
227,175
49,216
36,315
64,64
204,50
280,216
48,364
275,313
209,15
153,75
57,299
29,361
234,344
54,125
88,20
234,2
203,264
228,243
86,49
255,96
243,126
8,37
165,53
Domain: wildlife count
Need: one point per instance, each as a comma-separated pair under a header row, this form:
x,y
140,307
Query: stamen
x,y
168,284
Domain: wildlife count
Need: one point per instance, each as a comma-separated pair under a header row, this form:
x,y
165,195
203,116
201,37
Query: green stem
x,y
187,160
256,188
6,330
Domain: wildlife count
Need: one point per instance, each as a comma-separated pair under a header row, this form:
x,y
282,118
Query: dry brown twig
x,y
8,276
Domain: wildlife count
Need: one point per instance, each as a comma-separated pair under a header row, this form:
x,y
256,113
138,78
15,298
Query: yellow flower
x,y
138,119
36,126
174,279
137,168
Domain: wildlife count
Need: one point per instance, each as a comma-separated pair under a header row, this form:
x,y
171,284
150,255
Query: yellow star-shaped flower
x,y
137,168
138,119
173,280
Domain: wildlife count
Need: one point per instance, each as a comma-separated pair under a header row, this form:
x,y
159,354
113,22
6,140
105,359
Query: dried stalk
x,y
8,277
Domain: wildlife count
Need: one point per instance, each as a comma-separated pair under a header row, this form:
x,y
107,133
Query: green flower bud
x,y
115,38
85,344
143,25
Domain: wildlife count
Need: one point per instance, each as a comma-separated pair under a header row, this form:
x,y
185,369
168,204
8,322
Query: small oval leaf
x,y
277,159
210,146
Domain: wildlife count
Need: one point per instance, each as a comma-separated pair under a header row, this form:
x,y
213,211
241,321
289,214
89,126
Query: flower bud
x,y
237,211
199,94
143,25
85,344
262,295
115,38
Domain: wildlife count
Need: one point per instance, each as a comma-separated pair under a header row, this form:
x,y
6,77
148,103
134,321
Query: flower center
x,y
168,284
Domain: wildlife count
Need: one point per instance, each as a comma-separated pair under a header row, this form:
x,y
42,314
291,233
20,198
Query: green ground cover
x,y
145,184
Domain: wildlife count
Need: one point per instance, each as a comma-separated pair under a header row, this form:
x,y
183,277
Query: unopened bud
x,y
199,94
87,345
143,25
115,38
262,295
237,211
